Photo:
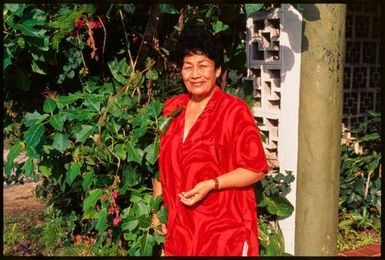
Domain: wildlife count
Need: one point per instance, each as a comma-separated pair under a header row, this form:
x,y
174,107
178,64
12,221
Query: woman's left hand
x,y
196,194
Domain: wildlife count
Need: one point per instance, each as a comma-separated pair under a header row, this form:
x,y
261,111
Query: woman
x,y
210,156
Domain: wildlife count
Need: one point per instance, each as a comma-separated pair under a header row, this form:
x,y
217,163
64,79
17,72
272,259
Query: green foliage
x,y
94,141
360,181
272,206
360,186
63,20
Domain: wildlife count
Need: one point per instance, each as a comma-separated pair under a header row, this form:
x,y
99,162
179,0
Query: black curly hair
x,y
198,40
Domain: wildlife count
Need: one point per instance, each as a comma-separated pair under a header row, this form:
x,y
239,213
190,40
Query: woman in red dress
x,y
210,157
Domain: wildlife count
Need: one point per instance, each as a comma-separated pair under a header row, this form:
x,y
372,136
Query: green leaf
x,y
13,153
167,9
101,224
93,102
84,133
33,135
60,142
57,121
152,152
29,168
218,26
73,172
129,223
134,154
49,105
162,215
369,137
120,151
120,70
45,168
279,206
152,74
252,8
16,9
155,203
88,179
38,67
34,118
90,202
154,108
71,98
130,177
147,243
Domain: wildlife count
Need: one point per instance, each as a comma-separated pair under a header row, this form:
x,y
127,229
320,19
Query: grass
x,y
23,235
357,239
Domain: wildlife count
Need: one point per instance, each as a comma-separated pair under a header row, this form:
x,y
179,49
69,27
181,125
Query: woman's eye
x,y
186,68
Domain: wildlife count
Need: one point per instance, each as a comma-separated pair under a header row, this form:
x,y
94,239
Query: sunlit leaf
x,y
73,172
60,142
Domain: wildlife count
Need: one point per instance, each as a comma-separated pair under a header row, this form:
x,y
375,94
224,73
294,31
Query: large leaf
x,y
34,118
130,177
154,108
90,202
219,26
57,121
13,153
49,105
60,142
45,168
134,154
147,243
168,9
120,150
33,135
28,168
71,98
152,152
88,179
129,223
84,133
279,206
73,172
101,224
252,8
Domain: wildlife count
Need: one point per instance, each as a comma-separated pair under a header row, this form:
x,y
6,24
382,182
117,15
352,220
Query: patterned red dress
x,y
223,138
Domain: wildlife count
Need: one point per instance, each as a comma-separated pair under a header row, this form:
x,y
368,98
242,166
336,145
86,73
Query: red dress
x,y
223,138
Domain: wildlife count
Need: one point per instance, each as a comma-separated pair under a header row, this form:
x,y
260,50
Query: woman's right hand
x,y
160,228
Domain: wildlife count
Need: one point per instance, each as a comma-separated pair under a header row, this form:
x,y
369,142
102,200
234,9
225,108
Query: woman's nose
x,y
195,72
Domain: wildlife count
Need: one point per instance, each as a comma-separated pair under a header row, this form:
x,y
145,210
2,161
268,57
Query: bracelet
x,y
216,187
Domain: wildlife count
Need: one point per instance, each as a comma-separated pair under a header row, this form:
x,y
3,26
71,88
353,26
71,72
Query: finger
x,y
164,228
190,193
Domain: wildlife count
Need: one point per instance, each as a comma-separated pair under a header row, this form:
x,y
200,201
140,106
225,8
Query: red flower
x,y
115,194
94,24
79,24
116,221
112,210
103,198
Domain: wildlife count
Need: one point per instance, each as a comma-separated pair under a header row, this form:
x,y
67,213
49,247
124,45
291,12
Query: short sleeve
x,y
247,145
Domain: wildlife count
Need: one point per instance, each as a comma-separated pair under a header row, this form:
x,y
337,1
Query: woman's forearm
x,y
239,178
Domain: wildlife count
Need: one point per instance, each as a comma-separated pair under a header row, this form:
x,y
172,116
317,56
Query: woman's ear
x,y
218,72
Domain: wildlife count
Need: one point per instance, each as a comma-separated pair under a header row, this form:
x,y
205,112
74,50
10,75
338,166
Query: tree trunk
x,y
320,118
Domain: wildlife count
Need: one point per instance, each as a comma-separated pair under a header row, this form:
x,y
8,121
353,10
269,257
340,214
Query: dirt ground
x,y
20,198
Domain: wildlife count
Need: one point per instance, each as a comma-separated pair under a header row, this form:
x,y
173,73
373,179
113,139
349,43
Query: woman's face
x,y
199,75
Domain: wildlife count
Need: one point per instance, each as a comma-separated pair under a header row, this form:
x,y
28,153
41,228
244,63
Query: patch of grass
x,y
22,234
357,239
34,233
